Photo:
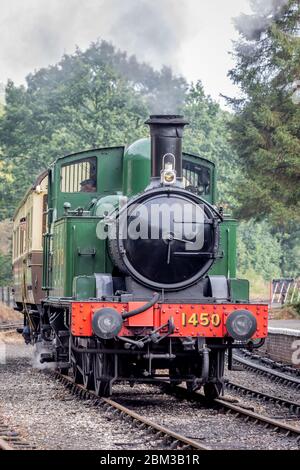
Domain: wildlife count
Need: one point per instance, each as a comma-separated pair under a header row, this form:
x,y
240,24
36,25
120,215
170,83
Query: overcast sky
x,y
193,36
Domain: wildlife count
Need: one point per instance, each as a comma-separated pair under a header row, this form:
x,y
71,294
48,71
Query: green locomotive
x,y
139,268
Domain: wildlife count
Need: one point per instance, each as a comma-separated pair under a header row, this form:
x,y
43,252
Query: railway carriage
x,y
139,268
29,225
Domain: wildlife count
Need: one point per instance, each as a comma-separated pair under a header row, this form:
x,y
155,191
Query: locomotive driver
x,y
88,186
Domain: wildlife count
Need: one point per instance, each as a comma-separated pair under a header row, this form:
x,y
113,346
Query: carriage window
x,y
196,178
79,177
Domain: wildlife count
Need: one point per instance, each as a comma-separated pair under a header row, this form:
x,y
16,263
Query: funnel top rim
x,y
167,119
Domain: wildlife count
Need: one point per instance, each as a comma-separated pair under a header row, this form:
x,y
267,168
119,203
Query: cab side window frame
x,y
197,177
79,176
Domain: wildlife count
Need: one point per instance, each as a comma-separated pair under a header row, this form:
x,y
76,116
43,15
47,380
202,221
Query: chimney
x,y
166,145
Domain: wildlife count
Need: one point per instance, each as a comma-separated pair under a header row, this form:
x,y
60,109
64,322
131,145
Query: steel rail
x,y
259,418
4,445
11,440
279,377
10,326
271,363
178,438
291,405
239,411
178,441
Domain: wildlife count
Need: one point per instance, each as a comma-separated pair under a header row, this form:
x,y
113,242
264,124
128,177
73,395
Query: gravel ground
x,y
46,415
210,426
43,411
264,384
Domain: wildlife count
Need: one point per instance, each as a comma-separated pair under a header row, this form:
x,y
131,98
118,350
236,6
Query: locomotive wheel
x,y
87,371
75,359
101,376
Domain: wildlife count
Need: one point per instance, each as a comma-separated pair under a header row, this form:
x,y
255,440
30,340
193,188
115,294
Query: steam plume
x,y
265,11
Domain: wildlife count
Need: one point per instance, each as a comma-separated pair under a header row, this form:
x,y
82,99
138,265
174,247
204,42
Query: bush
x,y
5,270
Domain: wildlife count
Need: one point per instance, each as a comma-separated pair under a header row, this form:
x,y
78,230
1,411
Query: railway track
x,y
267,422
168,438
174,440
10,326
293,407
239,411
271,363
11,440
275,375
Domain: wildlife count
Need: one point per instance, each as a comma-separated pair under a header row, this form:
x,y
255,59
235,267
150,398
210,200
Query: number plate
x,y
201,319
196,320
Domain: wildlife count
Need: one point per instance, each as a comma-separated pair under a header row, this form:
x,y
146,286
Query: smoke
x,y
36,363
265,11
191,36
153,29
38,32
35,33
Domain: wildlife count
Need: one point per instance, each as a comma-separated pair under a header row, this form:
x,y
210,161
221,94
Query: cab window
x,y
196,178
80,176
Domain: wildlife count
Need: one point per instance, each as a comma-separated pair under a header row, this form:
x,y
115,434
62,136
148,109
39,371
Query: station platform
x,y
288,327
283,342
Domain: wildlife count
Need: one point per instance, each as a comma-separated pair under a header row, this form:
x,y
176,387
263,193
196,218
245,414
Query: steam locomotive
x,y
125,269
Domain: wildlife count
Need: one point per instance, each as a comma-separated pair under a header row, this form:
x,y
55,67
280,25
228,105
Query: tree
x,y
164,93
258,250
5,269
97,97
208,136
265,128
61,112
101,97
5,252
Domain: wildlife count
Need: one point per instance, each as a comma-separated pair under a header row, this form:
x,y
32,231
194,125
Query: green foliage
x,y
101,97
297,308
265,128
258,250
61,114
289,238
265,253
208,136
98,97
5,269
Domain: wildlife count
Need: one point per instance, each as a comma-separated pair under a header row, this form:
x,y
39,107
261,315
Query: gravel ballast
x,y
38,406
46,415
210,426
